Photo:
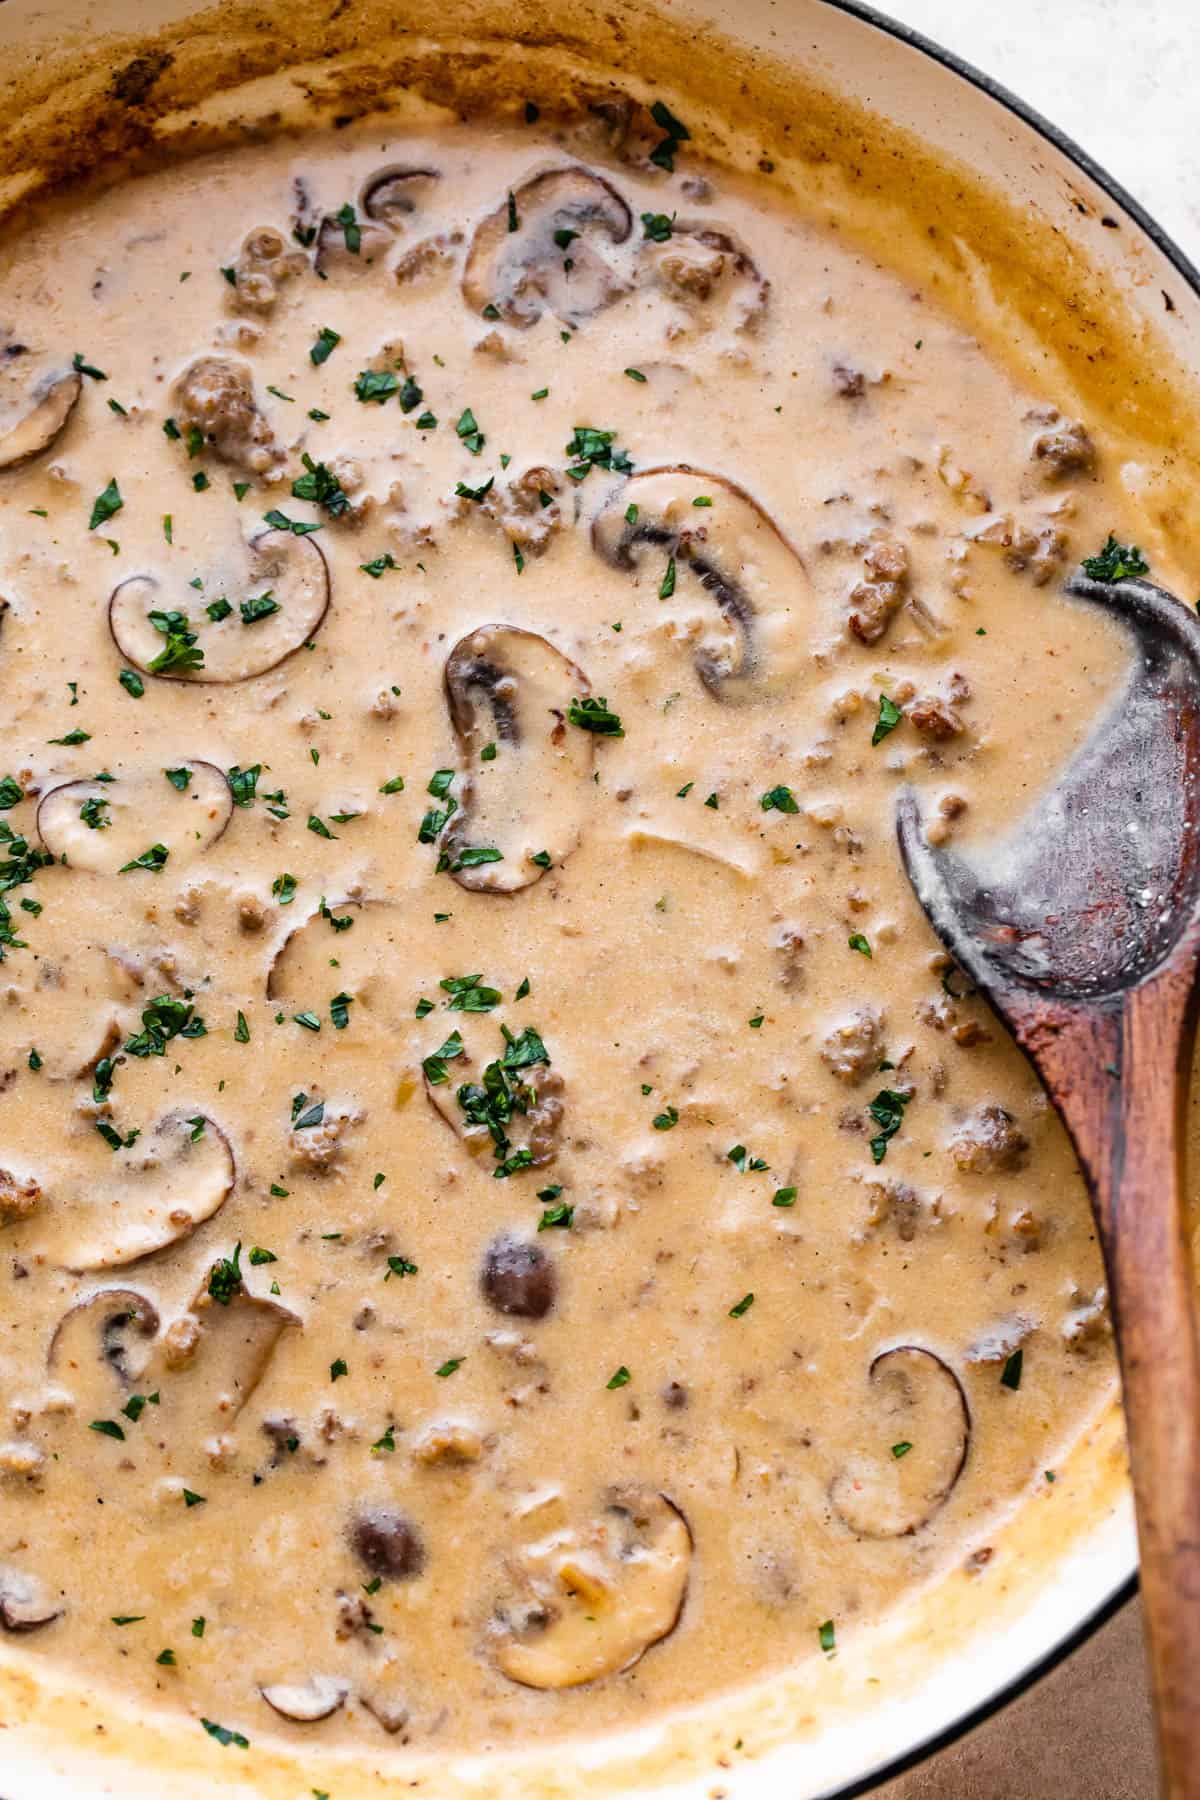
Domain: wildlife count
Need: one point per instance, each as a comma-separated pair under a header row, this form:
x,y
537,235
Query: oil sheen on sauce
x,y
509,1222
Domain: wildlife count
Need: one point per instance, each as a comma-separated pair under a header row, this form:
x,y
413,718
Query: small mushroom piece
x,y
101,1346
22,1605
139,1199
601,1597
308,1701
386,1542
393,195
549,261
710,270
920,1429
275,566
754,649
101,826
510,687
518,1278
77,995
32,423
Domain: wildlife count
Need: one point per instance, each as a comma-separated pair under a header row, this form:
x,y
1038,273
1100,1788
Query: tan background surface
x,y
1094,67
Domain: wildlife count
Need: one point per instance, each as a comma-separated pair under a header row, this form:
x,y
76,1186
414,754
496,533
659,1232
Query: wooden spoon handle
x,y
1139,1204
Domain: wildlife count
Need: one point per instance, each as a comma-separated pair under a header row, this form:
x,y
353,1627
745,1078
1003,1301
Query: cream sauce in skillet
x,y
509,1222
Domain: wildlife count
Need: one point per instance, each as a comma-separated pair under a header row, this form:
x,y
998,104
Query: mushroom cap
x,y
49,405
22,1605
518,1278
387,1542
757,645
228,1357
523,273
606,1595
510,687
291,569
306,1702
392,195
102,1344
132,812
121,1206
916,1401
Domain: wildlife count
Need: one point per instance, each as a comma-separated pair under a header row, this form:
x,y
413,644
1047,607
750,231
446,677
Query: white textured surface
x,y
1121,78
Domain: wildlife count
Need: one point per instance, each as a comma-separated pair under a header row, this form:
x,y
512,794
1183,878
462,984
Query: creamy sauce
x,y
491,769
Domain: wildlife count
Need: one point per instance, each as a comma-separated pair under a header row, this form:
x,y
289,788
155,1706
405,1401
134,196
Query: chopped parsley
x,y
779,799
887,1110
1010,1376
376,384
327,342
469,432
657,226
889,717
742,1306
858,942
152,859
619,1378
1116,562
663,154
106,505
593,449
225,1277
594,715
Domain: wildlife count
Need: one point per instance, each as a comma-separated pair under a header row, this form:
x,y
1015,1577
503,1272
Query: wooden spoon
x,y
1083,931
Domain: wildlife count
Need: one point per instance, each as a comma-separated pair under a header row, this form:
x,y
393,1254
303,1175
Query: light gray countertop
x,y
1121,79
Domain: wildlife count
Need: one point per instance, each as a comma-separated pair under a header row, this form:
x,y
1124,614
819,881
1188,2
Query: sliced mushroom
x,y
35,420
920,1427
387,1542
224,1351
765,602
708,269
549,262
77,995
308,1701
290,570
22,1604
601,1597
101,1346
391,196
100,826
511,688
367,951
518,1278
215,396
142,1198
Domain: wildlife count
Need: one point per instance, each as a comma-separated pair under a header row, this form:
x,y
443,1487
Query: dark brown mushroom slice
x,y
511,688
290,571
306,1702
386,1542
601,1597
129,1203
40,415
919,1426
762,635
704,267
393,195
518,1278
102,1345
99,827
23,1606
525,272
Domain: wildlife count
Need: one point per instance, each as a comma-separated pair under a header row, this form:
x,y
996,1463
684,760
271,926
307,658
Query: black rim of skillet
x,y
1112,1603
